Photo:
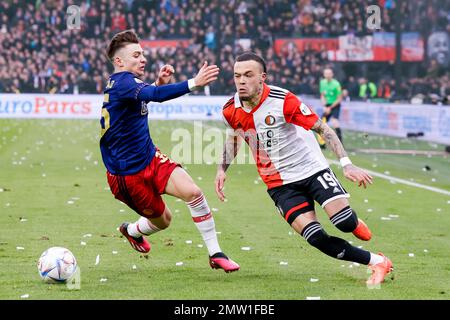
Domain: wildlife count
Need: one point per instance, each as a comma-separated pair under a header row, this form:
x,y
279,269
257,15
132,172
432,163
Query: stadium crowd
x,y
38,53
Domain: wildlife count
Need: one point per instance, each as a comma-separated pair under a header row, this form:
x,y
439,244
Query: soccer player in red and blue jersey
x,y
137,172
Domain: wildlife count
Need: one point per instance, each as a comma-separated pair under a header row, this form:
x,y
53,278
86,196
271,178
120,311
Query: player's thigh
x,y
291,201
326,189
181,185
137,194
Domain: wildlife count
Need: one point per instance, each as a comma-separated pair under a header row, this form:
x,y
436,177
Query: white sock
x,y
375,259
142,227
205,223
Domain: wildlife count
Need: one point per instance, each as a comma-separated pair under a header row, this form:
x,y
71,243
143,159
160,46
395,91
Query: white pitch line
x,y
399,180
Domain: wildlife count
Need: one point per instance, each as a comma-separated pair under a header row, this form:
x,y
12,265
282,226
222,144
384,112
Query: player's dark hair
x,y
119,41
248,56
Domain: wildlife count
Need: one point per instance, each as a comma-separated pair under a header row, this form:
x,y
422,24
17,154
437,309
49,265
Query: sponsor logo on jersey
x,y
144,109
305,110
270,120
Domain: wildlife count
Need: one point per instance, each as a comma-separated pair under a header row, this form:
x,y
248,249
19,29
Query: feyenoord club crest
x,y
270,120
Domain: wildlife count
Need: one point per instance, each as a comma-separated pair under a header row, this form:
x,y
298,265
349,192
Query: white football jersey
x,y
278,133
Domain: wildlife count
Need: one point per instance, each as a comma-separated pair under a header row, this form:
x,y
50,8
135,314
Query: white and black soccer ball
x,y
57,265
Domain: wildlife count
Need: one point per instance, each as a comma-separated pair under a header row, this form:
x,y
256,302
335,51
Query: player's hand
x,y
206,75
355,174
165,75
220,181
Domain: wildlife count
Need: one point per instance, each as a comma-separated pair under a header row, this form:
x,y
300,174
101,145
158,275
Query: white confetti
x,y
179,263
283,263
356,264
360,247
218,232
83,243
20,248
114,252
178,200
133,267
387,172
25,296
215,209
290,233
313,280
7,204
87,235
433,180
411,254
425,250
1,190
225,200
246,248
256,182
393,215
103,280
176,210
97,259
312,298
70,202
44,175
23,220
200,246
188,241
438,209
399,191
365,200
369,210
122,210
199,178
385,218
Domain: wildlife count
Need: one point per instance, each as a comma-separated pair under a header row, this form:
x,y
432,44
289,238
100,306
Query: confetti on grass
x,y
25,296
312,298
246,248
97,260
283,263
313,280
178,264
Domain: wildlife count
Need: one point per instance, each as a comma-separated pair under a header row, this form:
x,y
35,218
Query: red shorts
x,y
142,191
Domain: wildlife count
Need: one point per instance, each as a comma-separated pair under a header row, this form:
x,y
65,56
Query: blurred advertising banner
x,y
384,47
378,47
379,118
147,44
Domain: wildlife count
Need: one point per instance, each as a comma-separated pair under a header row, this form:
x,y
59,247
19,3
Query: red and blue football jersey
x,y
125,143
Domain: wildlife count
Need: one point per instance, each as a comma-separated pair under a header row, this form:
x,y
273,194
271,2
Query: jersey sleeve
x,y
130,87
298,113
226,117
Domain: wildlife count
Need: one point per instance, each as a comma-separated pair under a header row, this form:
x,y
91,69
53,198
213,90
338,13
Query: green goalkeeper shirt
x,y
331,90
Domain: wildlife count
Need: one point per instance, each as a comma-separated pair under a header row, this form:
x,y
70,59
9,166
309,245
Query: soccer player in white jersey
x,y
290,162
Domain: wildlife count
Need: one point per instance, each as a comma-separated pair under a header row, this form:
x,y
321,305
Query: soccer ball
x,y
57,265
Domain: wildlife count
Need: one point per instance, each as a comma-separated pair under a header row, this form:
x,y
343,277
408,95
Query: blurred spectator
x,y
367,89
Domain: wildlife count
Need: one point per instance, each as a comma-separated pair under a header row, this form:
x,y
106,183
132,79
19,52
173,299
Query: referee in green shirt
x,y
331,97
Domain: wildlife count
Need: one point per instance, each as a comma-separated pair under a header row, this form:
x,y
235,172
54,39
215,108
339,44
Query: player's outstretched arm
x,y
351,172
205,76
230,150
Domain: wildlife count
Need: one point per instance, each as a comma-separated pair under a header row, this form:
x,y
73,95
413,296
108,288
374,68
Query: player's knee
x,y
193,193
345,220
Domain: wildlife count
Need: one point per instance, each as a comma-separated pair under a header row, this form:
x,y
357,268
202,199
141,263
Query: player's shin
x,y
204,221
333,246
142,227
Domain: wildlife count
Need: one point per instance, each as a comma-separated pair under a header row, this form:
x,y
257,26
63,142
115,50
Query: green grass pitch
x,y
53,193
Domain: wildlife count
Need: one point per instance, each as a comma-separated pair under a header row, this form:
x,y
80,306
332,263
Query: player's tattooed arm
x,y
331,139
351,172
230,150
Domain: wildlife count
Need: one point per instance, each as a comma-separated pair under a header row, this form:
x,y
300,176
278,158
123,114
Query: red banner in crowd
x,y
315,44
164,43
